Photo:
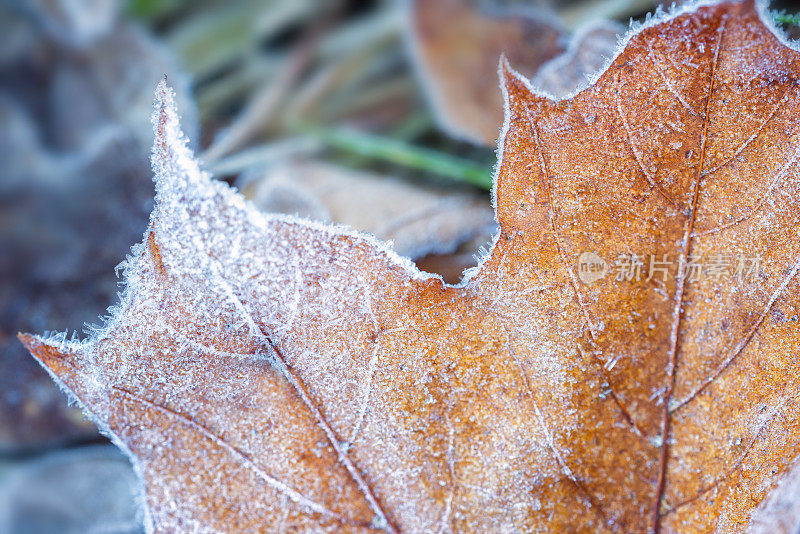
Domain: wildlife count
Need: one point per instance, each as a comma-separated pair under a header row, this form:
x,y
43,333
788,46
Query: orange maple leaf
x,y
267,373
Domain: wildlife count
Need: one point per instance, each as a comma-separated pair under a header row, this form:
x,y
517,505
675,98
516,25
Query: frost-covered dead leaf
x,y
269,373
418,220
456,46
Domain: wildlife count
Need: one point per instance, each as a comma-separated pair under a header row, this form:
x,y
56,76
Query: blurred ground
x,y
377,114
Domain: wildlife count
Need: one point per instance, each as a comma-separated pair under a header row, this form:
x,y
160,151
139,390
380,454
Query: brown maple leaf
x,y
456,46
272,374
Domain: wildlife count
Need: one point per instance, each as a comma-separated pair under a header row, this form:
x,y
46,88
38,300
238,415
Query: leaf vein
x,y
573,279
273,482
677,313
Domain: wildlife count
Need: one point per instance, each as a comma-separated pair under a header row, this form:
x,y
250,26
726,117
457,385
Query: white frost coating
x,y
170,188
659,16
185,160
192,229
179,183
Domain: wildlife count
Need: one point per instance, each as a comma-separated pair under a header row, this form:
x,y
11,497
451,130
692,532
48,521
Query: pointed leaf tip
x,y
504,66
27,339
164,112
47,354
510,80
172,161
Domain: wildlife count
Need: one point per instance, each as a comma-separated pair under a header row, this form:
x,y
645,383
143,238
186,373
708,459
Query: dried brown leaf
x,y
456,49
269,373
417,219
